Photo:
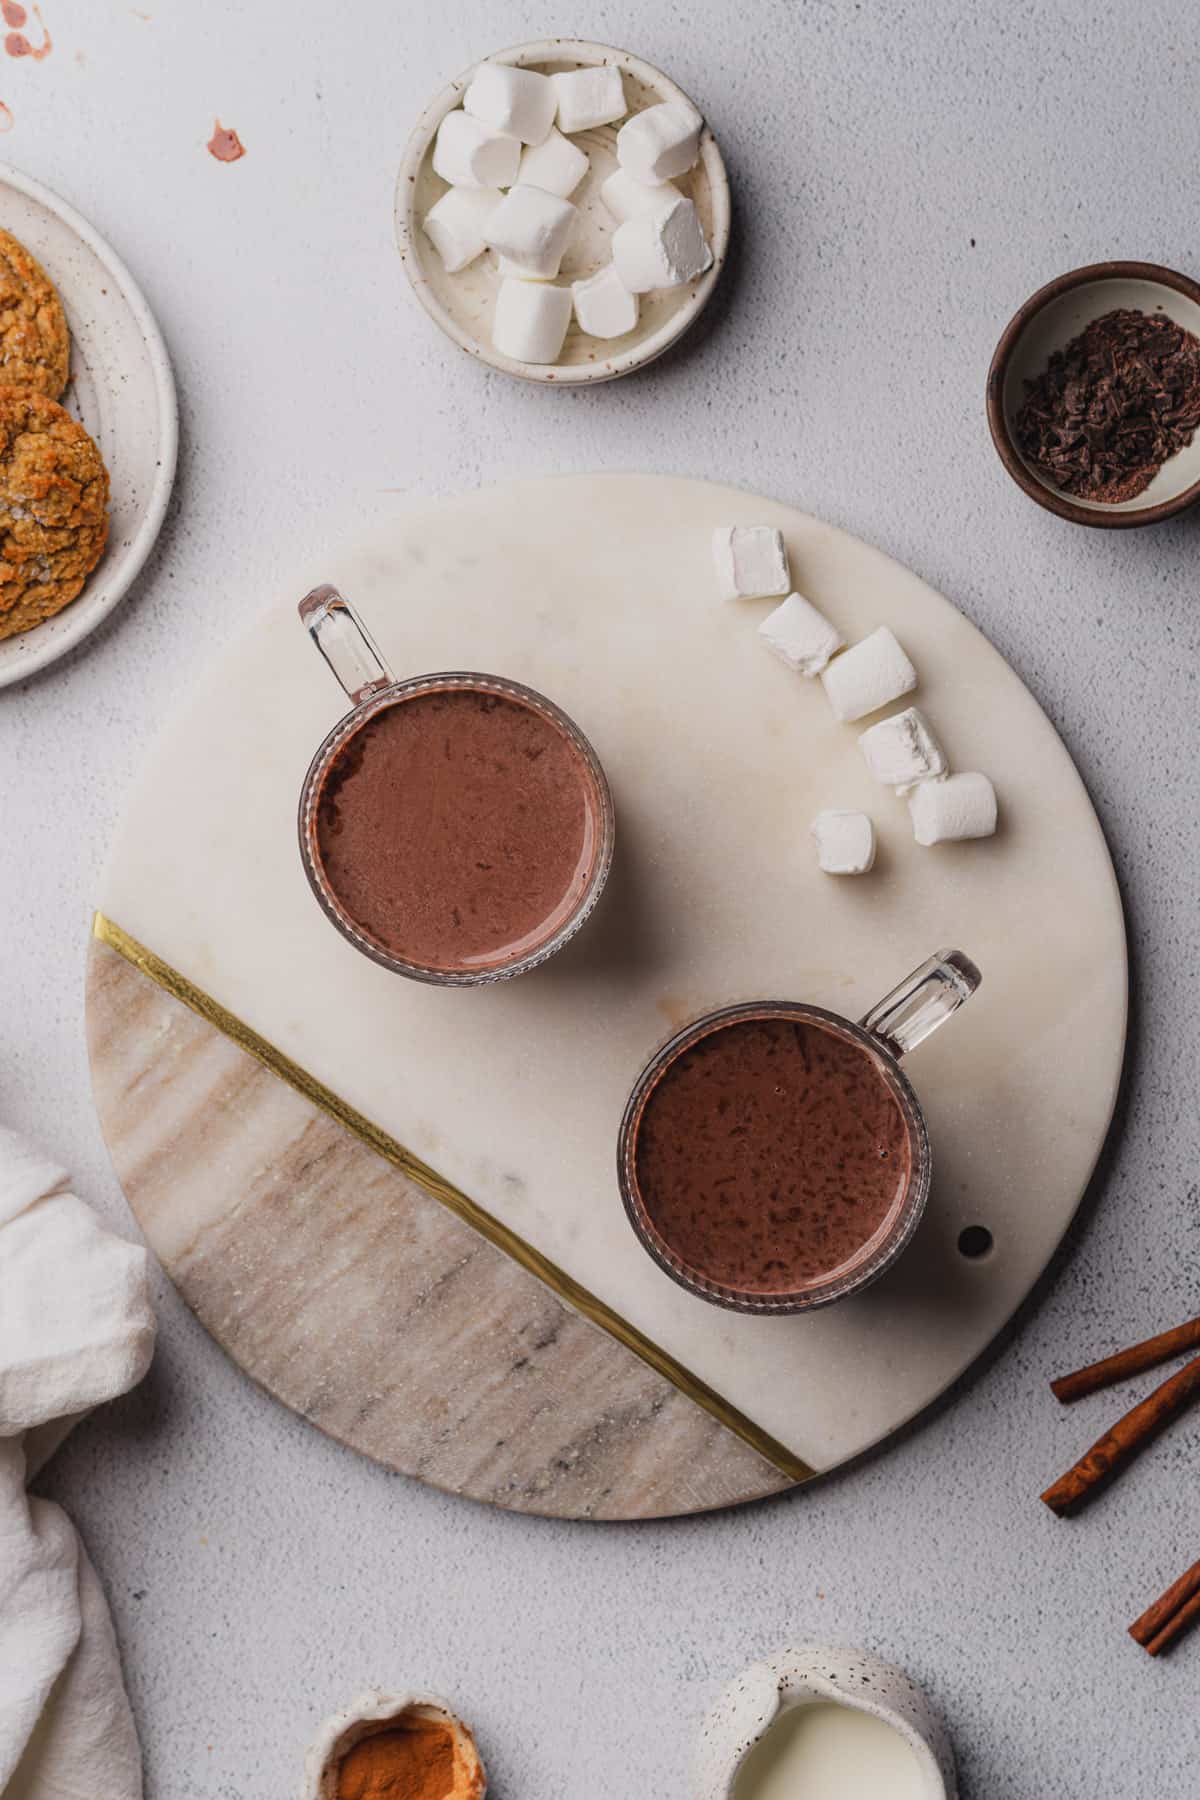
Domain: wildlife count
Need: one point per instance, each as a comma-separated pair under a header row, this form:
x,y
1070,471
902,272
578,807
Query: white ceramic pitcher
x,y
755,1699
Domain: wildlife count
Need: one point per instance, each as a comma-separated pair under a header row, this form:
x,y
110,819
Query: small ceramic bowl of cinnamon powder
x,y
1093,396
394,1747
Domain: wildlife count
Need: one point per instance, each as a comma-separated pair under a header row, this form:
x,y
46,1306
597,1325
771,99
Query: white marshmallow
x,y
661,249
469,153
518,101
604,306
555,166
801,635
530,321
532,228
589,97
750,561
454,224
902,750
962,806
869,675
661,142
507,265
845,842
626,198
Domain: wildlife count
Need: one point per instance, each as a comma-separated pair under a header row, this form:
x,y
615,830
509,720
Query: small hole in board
x,y
975,1241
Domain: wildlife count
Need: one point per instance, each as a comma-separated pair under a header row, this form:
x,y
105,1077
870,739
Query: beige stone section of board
x,y
361,1302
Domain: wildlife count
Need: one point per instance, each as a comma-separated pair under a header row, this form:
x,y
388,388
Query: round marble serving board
x,y
531,1354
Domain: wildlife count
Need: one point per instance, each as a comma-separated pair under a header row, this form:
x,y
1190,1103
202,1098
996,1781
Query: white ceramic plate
x,y
121,390
462,304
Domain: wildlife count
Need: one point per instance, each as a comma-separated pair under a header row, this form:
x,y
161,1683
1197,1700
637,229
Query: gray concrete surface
x,y
904,175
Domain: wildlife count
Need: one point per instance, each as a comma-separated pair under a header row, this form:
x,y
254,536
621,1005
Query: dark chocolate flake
x,y
1113,407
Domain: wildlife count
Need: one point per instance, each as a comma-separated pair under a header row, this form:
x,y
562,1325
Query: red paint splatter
x,y
6,118
16,43
225,144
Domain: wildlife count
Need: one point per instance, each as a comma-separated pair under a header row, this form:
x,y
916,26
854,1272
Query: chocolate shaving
x,y
1113,407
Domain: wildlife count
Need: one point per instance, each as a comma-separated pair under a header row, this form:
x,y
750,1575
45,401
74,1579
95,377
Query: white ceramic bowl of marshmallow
x,y
562,211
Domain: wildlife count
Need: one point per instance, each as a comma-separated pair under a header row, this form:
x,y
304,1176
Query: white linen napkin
x,y
76,1328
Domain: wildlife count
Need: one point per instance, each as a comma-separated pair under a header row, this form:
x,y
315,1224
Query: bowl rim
x,y
637,356
1106,519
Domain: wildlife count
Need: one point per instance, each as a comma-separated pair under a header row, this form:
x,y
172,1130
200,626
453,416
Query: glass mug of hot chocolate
x,y
457,828
773,1157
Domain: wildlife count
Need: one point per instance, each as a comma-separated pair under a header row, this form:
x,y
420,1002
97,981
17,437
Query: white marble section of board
x,y
598,590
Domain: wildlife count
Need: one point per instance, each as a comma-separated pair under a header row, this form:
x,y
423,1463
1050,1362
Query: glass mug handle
x,y
345,643
923,1001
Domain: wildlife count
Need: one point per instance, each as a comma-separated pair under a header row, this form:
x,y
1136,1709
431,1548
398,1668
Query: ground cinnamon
x,y
412,1760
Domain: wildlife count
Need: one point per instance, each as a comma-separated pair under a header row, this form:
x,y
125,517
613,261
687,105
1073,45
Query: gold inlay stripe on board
x,y
494,1230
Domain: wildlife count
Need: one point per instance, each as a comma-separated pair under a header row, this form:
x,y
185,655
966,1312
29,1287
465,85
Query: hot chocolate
x,y
771,1152
459,828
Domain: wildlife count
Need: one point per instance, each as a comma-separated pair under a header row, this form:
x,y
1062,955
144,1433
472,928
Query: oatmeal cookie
x,y
53,508
35,345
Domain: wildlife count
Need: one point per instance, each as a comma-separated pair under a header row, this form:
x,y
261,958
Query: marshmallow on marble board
x,y
589,97
532,229
604,306
961,806
455,224
468,153
801,635
902,751
661,142
661,249
530,320
845,842
750,561
555,166
871,674
518,101
627,199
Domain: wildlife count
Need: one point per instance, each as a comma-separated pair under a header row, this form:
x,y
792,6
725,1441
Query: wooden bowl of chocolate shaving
x,y
1093,396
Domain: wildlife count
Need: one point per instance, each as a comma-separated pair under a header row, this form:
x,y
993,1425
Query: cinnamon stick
x,y
1134,1361
1171,1614
1109,1454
